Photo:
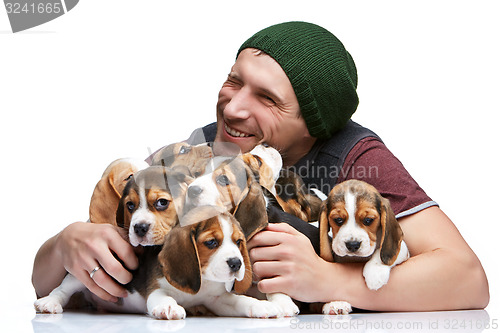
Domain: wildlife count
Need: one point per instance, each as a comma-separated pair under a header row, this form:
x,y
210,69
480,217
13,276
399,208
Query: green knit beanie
x,y
321,71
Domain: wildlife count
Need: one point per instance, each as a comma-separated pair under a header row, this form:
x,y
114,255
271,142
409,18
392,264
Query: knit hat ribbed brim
x,y
321,71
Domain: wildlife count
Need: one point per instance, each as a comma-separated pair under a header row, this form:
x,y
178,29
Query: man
x,y
293,86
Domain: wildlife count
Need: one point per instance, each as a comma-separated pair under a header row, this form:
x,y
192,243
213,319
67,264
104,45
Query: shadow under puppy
x,y
364,229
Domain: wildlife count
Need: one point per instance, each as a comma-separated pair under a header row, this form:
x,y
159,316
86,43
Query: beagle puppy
x,y
148,210
364,228
199,264
236,184
149,206
187,158
109,189
243,186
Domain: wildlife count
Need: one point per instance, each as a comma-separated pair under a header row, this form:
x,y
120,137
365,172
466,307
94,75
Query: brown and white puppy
x,y
236,184
240,186
148,210
150,204
109,189
185,157
364,228
199,264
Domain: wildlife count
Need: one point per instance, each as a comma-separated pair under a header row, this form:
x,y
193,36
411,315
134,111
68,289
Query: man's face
x,y
257,105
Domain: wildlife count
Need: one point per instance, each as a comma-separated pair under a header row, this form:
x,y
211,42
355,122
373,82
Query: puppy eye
x,y
161,204
222,180
367,221
129,176
239,242
211,243
184,150
338,221
130,206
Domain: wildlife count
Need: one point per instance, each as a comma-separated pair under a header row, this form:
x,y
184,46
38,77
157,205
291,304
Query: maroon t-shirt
x,y
371,161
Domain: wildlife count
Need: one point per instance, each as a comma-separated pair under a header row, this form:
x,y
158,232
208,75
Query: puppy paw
x,y
376,275
169,312
48,305
337,308
264,309
285,303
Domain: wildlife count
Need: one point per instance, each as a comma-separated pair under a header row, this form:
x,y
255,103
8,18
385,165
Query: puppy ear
x,y
325,243
120,210
251,211
240,287
315,206
179,260
104,201
392,235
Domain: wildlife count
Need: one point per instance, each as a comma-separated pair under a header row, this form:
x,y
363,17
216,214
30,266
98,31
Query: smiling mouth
x,y
235,133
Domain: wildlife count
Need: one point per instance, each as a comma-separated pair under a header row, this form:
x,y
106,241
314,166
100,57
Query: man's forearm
x,y
48,271
428,282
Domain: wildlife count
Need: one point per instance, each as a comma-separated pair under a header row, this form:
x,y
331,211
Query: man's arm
x,y
78,249
443,273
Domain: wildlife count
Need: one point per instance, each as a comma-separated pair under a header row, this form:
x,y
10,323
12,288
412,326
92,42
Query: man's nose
x,y
239,106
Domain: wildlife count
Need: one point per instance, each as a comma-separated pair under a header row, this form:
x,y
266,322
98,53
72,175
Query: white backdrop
x,y
119,78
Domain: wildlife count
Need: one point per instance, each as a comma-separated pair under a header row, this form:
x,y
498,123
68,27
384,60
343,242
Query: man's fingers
x,y
84,277
123,250
272,285
102,280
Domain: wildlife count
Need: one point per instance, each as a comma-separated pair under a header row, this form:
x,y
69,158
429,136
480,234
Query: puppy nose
x,y
353,246
141,229
194,191
234,264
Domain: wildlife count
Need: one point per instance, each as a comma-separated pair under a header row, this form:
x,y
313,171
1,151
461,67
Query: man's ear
x,y
392,234
325,243
179,260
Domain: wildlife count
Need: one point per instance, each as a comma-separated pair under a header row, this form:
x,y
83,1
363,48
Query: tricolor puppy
x,y
109,189
364,228
243,186
236,184
150,204
198,265
148,209
187,158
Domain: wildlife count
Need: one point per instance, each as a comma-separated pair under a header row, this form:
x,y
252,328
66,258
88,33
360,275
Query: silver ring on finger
x,y
94,271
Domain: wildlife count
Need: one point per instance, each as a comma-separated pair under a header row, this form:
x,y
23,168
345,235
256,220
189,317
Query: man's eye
x,y
222,180
211,243
269,99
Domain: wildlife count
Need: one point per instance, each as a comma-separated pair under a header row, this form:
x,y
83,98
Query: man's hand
x,y
284,261
85,246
